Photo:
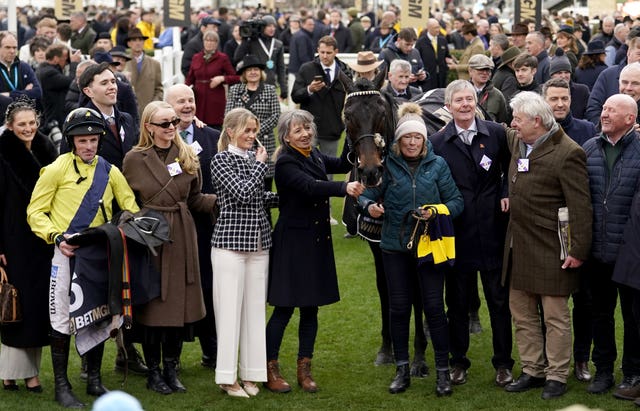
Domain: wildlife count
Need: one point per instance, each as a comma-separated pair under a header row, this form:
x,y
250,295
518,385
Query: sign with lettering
x,y
528,9
177,13
414,13
64,8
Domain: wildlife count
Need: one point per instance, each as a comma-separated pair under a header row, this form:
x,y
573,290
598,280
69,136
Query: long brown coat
x,y
557,178
180,300
476,47
147,83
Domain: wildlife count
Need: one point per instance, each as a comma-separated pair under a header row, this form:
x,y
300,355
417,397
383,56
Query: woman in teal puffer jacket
x,y
414,176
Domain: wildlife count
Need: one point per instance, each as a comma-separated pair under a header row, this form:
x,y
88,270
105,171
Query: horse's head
x,y
369,119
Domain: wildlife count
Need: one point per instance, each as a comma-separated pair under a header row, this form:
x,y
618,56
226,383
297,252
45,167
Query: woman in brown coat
x,y
165,175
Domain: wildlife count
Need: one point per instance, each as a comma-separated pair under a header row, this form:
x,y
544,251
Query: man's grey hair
x,y
398,65
457,86
533,105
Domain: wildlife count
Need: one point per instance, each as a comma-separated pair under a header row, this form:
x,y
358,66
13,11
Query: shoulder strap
x,y
92,199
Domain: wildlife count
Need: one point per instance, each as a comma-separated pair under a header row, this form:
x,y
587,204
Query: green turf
x,y
348,340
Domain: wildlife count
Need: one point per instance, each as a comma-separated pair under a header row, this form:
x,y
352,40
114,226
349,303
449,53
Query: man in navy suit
x,y
204,141
435,63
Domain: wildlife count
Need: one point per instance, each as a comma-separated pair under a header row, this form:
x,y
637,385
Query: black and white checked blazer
x,y
265,106
239,184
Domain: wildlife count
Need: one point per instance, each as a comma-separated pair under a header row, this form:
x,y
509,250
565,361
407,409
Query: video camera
x,y
252,28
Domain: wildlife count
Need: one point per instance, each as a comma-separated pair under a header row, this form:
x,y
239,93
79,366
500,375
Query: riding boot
x,y
60,360
170,359
155,382
94,363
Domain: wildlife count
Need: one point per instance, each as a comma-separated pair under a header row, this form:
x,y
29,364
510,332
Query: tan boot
x,y
305,379
275,382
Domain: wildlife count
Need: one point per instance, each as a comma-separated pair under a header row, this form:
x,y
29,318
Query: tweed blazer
x,y
557,177
239,183
147,83
265,106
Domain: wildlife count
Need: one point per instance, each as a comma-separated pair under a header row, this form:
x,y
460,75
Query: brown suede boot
x,y
305,379
275,382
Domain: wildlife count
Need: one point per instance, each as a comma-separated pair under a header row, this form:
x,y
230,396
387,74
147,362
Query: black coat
x,y
28,257
480,229
113,148
435,66
579,99
207,137
303,270
325,105
342,36
54,89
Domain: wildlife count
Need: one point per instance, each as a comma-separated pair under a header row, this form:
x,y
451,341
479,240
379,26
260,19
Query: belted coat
x,y
181,299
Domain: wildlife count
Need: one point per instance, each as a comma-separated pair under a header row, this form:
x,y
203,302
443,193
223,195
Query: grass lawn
x,y
347,342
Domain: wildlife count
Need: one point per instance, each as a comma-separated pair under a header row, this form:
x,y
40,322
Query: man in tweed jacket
x,y
547,171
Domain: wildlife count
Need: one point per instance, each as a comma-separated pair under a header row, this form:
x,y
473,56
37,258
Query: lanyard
x,y
14,84
270,51
382,43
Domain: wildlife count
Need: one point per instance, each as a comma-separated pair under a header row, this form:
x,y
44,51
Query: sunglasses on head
x,y
166,124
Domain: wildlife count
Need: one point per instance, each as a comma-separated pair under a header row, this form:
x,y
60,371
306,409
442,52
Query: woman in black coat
x,y
303,271
26,258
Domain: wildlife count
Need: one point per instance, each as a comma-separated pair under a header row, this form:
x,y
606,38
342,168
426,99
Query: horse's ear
x,y
378,80
346,82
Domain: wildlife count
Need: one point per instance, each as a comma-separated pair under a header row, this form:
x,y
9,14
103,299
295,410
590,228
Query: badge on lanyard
x,y
174,169
523,165
270,64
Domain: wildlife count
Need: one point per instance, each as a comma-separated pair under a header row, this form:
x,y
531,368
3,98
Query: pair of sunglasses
x,y
166,124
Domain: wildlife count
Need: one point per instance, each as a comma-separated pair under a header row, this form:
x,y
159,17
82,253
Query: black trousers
x,y
401,270
604,293
307,331
582,321
459,285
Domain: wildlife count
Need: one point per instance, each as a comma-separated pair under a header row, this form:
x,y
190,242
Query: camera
x,y
252,28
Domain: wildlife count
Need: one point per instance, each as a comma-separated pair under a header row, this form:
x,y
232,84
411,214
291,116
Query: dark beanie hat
x,y
559,62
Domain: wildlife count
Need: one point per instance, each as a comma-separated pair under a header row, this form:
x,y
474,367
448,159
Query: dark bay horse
x,y
370,121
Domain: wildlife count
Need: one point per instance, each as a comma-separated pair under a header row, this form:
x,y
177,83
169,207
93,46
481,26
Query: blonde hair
x,y
186,157
236,119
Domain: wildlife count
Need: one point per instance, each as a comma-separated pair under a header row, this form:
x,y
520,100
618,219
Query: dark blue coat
x,y
606,86
611,194
579,130
480,228
26,76
302,267
590,75
301,50
207,137
628,261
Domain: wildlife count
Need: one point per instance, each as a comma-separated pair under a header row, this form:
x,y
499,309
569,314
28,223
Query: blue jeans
x,y
401,269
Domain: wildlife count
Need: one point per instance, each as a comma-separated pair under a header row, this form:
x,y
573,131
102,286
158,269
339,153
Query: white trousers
x,y
239,303
59,299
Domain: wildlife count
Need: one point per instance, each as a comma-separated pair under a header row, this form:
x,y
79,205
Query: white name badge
x,y
197,148
523,165
485,162
174,169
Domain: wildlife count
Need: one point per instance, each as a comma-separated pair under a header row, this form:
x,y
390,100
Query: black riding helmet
x,y
83,122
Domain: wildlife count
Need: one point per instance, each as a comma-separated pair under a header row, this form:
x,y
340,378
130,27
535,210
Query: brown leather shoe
x,y
305,380
503,377
458,375
581,371
628,393
275,382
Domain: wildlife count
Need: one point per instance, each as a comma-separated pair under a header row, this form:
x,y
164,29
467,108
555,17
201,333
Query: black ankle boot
x,y
94,363
402,380
60,360
170,359
155,382
443,383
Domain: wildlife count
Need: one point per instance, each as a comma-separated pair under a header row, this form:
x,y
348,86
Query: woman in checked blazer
x,y
261,99
240,254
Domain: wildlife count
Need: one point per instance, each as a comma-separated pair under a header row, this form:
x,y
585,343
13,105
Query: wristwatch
x,y
59,239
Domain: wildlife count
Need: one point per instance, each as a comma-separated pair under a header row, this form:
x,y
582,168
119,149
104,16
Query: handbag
x,y
10,310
